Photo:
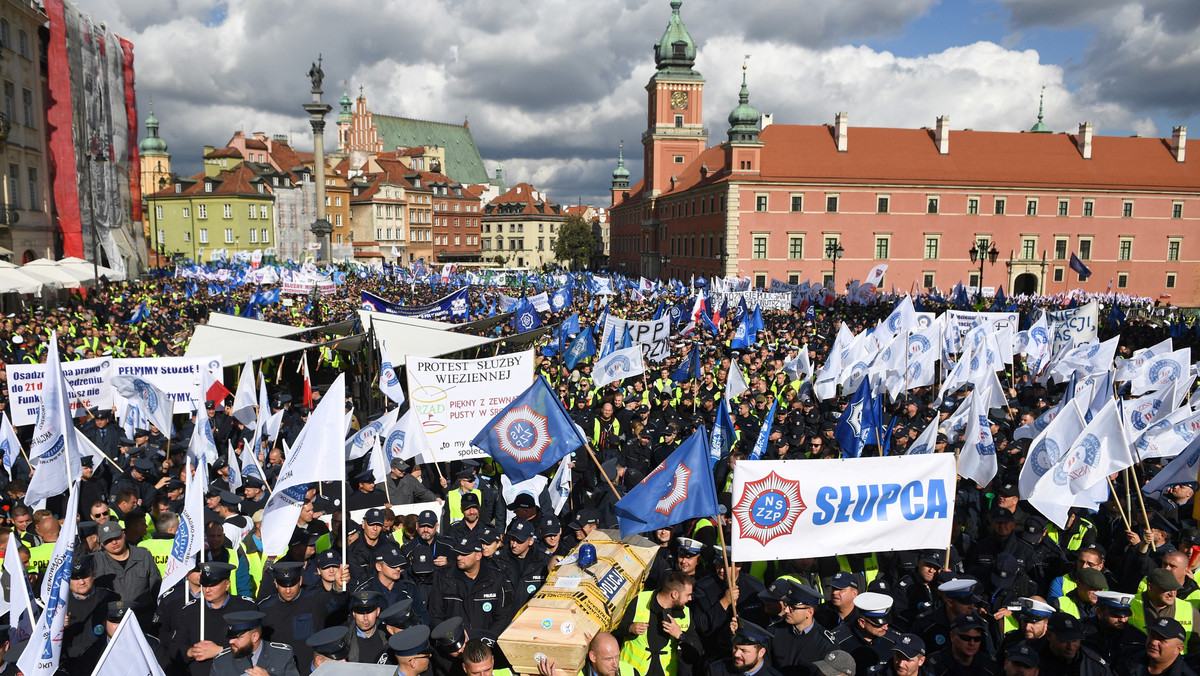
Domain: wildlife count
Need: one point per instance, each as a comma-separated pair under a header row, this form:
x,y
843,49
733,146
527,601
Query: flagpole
x,y
345,551
1124,518
730,574
601,468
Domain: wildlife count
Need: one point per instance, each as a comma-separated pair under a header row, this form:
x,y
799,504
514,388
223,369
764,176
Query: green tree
x,y
575,243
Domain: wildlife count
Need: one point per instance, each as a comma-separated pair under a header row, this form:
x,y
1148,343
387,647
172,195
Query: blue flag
x,y
139,314
527,318
681,488
689,368
492,309
570,325
610,345
721,440
582,347
744,336
531,434
756,323
860,422
561,299
764,434
1078,266
658,311
626,339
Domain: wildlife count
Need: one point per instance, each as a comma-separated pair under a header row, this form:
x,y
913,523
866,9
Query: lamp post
x,y
664,260
979,252
833,251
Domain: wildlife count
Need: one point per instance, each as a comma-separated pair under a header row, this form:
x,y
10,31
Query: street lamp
x,y
979,252
833,251
664,260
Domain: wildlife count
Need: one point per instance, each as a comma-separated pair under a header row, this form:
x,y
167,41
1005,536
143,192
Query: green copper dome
x,y
152,144
345,114
675,49
743,120
1040,127
620,173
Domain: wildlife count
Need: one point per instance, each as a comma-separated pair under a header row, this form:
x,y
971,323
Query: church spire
x,y
1040,127
743,120
620,175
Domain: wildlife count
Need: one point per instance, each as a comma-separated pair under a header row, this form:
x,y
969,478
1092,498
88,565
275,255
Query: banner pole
x,y
730,574
602,472
345,551
1124,518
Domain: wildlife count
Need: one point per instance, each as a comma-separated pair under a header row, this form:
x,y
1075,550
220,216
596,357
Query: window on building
x,y
1089,207
1028,248
338,200
27,107
10,100
760,281
973,206
201,211
1031,207
830,242
264,211
1177,210
795,248
760,247
882,203
973,280
999,208
797,202
14,180
931,248
1170,280
262,235
831,204
1173,249
254,236
881,248
204,235
228,211
229,235
162,236
1064,207
187,213
760,203
158,211
827,280
1060,249
1122,280
927,280
793,278
35,197
1058,273
4,37
379,233
678,120
337,220
1125,249
23,44
1085,249
208,186
931,205
187,235
253,211
1127,209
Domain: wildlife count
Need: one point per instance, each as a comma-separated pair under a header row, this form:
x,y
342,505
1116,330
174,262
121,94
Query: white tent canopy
x,y
405,338
13,279
255,326
238,347
85,267
45,268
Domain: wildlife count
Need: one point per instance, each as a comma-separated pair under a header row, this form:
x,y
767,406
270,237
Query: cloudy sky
x,y
551,86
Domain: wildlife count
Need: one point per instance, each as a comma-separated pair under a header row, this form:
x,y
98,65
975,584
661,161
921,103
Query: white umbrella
x,y
12,279
78,265
43,268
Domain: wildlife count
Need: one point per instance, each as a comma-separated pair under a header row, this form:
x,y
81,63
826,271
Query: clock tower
x,y
675,133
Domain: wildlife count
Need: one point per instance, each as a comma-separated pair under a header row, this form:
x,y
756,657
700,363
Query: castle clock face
x,y
679,100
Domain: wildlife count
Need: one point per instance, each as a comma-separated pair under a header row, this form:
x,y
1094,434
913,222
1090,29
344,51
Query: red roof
x,y
236,181
523,193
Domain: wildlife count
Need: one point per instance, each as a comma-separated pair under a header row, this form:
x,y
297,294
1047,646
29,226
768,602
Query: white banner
x,y
91,380
178,377
765,299
456,397
965,321
1075,326
653,336
789,509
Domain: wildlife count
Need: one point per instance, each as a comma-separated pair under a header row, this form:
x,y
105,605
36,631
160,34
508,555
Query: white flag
x,y
405,438
379,465
20,605
364,439
318,455
243,401
875,276
41,656
1127,368
1159,372
800,368
10,446
1141,413
389,381
264,409
203,446
925,443
1169,436
235,470
977,461
189,538
560,485
618,365
1048,447
249,463
153,405
1180,470
1037,348
127,652
53,452
735,382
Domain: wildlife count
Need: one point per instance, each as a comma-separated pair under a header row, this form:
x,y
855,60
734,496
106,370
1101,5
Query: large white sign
x,y
790,509
456,397
1074,326
653,336
965,321
91,380
765,299
179,377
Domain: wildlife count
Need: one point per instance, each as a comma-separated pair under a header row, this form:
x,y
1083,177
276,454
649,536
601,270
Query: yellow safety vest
x,y
616,430
160,549
398,536
255,561
454,500
1076,540
39,557
635,654
870,567
1067,605
1193,598
323,543
1183,615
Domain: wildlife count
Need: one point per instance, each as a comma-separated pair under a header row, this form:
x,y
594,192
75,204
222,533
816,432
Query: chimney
x,y
1084,140
943,135
765,120
841,121
1178,142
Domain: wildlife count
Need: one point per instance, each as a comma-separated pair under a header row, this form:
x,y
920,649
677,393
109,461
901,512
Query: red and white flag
x,y
308,392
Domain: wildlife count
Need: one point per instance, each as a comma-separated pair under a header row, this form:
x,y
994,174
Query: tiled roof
x,y
240,180
883,156
224,152
533,204
463,162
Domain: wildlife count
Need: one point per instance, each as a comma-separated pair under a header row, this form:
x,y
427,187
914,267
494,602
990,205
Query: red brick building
x,y
456,219
772,201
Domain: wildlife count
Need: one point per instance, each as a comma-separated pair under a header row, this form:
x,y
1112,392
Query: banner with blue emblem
x,y
618,365
679,489
785,509
454,306
531,434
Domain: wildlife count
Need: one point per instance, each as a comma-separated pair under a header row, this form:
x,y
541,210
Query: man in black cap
x,y
183,642
405,488
982,556
428,542
470,524
521,562
367,640
750,643
1064,652
448,638
968,653
1022,660
411,651
365,495
391,583
235,524
128,570
839,608
364,550
293,614
799,640
480,594
248,651
1163,651
86,607
254,496
550,534
955,597
331,644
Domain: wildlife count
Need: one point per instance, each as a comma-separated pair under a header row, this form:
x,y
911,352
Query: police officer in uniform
x,y
867,636
367,640
750,643
391,583
448,639
364,551
410,648
247,649
183,641
1064,652
436,545
479,594
86,608
968,653
331,644
523,564
110,619
1112,636
291,614
798,641
933,626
